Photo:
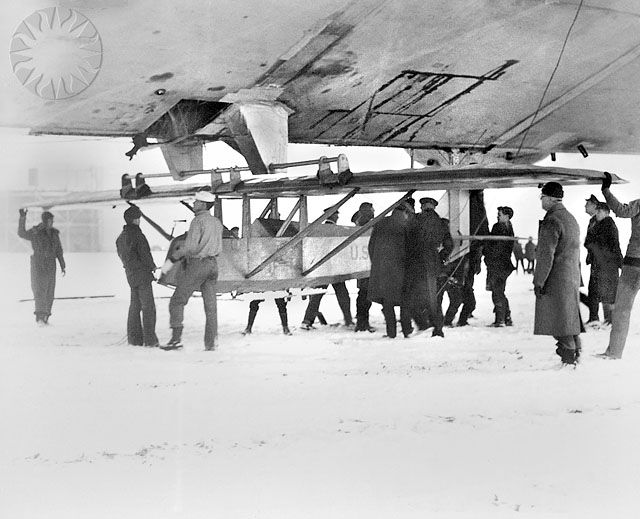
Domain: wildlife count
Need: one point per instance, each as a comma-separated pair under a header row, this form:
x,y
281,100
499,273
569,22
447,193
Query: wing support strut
x,y
356,234
286,223
153,224
303,232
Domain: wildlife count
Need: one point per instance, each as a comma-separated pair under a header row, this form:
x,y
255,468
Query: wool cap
x,y
553,189
132,213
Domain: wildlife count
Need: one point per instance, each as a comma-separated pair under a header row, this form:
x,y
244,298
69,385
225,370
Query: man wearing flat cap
x,y
201,248
429,246
135,254
556,278
497,258
45,241
606,261
590,207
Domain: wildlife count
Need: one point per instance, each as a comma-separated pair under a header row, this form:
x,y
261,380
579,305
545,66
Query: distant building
x,y
80,229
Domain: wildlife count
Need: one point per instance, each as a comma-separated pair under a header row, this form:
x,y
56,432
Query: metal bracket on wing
x,y
303,233
356,234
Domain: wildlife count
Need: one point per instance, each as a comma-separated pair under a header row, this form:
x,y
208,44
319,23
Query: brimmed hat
x,y
429,200
593,200
205,196
132,213
553,189
506,210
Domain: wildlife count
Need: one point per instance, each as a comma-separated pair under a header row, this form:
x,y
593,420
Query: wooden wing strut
x,y
357,233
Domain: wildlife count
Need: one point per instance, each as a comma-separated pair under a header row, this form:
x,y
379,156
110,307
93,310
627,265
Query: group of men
x,y
557,273
408,252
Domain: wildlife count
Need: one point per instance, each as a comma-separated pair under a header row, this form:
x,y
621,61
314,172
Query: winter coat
x,y
429,246
557,273
589,237
497,254
603,245
530,250
45,243
387,250
134,252
430,242
517,251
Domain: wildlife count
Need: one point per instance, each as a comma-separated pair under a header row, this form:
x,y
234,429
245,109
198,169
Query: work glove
x,y
606,181
538,291
23,212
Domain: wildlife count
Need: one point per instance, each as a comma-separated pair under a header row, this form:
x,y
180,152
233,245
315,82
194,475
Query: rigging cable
x,y
564,44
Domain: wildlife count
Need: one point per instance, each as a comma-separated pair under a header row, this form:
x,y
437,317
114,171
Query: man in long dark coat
x,y
556,279
591,208
45,240
497,257
603,244
530,254
387,251
135,254
518,254
430,244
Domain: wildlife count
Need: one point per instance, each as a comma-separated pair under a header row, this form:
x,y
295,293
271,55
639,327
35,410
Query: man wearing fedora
x,y
201,248
497,257
135,254
45,241
556,278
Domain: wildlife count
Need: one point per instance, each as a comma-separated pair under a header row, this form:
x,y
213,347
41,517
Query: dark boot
x,y
566,355
500,317
284,320
176,340
252,317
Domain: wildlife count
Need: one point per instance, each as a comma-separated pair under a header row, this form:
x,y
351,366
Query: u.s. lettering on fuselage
x,y
359,252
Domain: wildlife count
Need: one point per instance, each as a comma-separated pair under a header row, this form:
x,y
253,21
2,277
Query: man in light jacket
x,y
556,278
201,249
629,282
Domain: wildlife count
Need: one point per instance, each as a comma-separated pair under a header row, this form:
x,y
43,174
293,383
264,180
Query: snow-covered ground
x,y
321,424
